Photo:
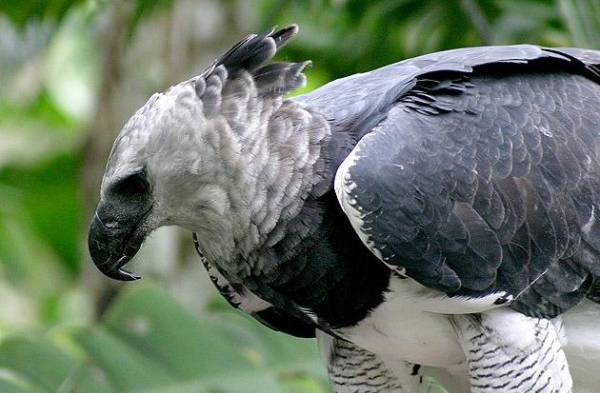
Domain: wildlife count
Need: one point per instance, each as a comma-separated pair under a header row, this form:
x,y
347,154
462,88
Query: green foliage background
x,y
56,334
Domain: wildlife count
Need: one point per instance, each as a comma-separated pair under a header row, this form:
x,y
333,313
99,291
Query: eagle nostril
x,y
106,224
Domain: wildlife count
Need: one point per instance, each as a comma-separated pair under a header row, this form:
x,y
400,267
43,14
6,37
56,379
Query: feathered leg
x,y
510,352
354,370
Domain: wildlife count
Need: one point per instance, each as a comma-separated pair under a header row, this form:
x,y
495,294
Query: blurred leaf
x,y
46,368
8,384
528,22
70,69
345,37
33,132
127,369
583,20
148,343
302,384
211,350
429,385
20,12
49,194
31,269
143,9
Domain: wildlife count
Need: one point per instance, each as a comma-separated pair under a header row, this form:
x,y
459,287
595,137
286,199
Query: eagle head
x,y
193,155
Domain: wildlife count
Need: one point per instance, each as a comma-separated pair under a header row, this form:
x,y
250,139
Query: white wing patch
x,y
344,186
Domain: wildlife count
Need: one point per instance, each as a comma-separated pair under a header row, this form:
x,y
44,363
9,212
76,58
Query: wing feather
x,y
491,190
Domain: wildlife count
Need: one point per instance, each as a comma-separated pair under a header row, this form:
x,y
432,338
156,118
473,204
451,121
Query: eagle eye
x,y
132,185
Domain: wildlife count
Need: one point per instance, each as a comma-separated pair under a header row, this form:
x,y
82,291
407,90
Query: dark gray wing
x,y
485,180
240,298
355,104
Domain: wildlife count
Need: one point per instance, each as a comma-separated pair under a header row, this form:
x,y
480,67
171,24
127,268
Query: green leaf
x,y
127,368
45,367
11,383
147,343
145,8
148,319
22,11
583,20
49,195
225,352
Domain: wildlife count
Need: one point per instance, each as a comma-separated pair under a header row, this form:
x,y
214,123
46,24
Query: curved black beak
x,y
113,240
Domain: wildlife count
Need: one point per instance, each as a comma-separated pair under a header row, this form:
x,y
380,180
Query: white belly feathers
x,y
399,328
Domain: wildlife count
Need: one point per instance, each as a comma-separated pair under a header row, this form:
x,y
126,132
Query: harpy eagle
x,y
438,216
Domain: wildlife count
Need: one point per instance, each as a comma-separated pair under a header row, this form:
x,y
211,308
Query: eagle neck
x,y
285,164
311,259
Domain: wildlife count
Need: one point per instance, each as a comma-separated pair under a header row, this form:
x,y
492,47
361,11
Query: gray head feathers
x,y
226,155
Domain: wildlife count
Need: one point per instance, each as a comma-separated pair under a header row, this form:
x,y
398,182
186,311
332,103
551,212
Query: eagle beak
x,y
113,240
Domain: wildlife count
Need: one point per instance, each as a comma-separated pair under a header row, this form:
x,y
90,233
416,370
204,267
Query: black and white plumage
x,y
437,216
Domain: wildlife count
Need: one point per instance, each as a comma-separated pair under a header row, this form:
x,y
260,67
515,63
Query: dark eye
x,y
132,185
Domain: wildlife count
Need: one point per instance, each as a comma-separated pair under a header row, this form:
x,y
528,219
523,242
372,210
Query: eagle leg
x,y
354,370
510,352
